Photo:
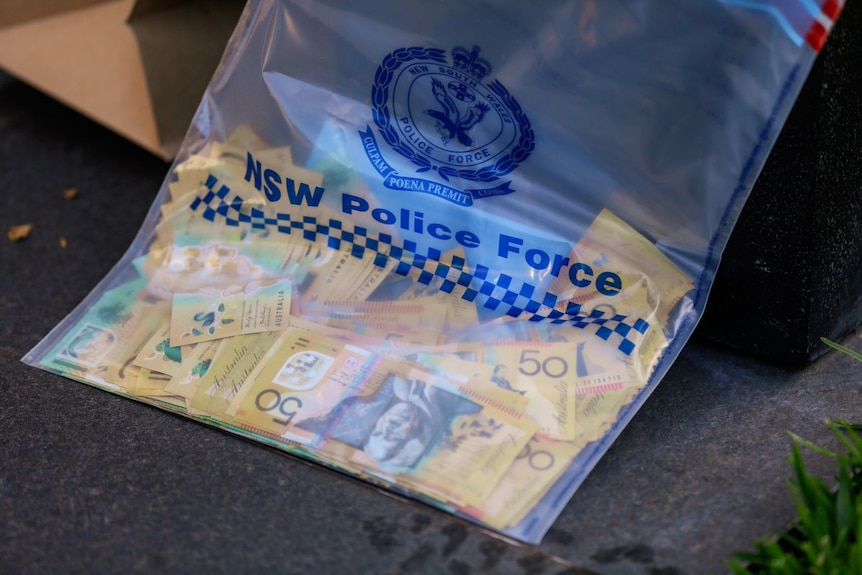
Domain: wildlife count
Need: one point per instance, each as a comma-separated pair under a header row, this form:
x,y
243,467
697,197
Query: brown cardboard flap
x,y
17,11
142,78
88,59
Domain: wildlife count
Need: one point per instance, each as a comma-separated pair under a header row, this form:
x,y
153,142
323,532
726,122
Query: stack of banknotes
x,y
237,318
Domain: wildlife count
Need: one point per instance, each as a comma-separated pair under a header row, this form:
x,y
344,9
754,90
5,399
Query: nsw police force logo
x,y
445,120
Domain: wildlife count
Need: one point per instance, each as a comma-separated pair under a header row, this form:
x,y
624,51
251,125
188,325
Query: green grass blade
x,y
841,348
849,439
845,510
826,537
799,440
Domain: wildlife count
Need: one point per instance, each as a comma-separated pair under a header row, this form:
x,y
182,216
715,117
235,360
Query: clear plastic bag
x,y
449,247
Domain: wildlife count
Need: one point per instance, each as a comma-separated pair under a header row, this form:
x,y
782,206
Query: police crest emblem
x,y
440,115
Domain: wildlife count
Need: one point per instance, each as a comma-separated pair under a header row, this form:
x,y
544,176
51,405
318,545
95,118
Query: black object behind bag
x,y
792,270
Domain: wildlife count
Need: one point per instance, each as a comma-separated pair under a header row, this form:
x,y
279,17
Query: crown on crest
x,y
470,62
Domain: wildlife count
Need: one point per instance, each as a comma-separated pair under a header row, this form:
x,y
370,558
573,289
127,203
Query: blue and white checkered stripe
x,y
505,295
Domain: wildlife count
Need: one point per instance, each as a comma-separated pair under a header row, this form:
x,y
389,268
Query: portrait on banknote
x,y
396,425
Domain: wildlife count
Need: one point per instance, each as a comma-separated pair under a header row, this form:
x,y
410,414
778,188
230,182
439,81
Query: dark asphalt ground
x,y
95,483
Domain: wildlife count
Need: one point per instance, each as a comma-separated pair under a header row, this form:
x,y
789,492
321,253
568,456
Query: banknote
x,y
101,347
545,374
596,365
645,272
233,364
460,312
332,274
342,275
187,377
181,225
418,430
474,451
168,402
223,161
473,351
253,185
369,278
239,163
207,314
542,461
299,262
215,166
151,383
213,263
477,377
649,354
365,341
285,181
303,374
159,355
597,412
418,321
533,472
600,365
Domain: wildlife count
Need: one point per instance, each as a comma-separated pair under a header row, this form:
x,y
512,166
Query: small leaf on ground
x,y
18,233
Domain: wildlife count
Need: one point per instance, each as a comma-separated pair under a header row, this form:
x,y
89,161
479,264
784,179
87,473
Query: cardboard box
x,y
139,67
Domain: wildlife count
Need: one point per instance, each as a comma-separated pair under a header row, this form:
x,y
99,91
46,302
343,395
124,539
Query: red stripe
x,y
598,388
816,36
831,8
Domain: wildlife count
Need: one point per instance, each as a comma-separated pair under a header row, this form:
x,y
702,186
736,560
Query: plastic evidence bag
x,y
446,247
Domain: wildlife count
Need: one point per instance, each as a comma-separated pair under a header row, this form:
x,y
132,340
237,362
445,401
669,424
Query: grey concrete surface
x,y
95,483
